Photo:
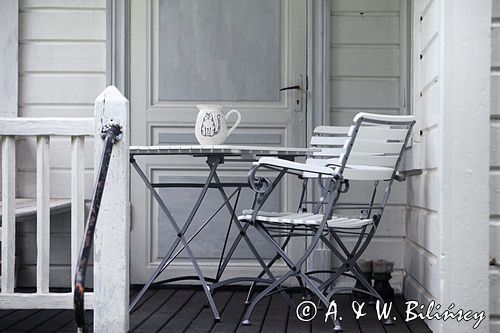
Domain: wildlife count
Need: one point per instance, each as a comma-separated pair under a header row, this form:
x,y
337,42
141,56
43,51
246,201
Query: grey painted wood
x,y
183,318
167,311
204,321
209,243
160,311
153,114
258,317
348,322
16,317
151,301
234,310
35,320
277,315
117,44
295,325
234,139
9,57
417,326
219,50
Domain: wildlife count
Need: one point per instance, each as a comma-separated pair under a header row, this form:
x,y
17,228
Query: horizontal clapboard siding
x,y
365,73
62,69
422,250
365,58
495,169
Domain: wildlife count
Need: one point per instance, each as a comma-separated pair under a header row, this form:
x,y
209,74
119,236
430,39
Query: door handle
x,y
298,98
297,87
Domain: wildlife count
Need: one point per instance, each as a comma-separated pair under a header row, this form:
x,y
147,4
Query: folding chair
x,y
372,152
330,140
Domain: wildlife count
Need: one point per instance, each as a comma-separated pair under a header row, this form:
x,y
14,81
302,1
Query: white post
x,y
8,214
77,199
42,214
111,242
464,190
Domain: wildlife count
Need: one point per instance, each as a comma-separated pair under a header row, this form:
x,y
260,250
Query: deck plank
x,y
188,313
277,315
145,308
258,317
295,325
55,323
345,314
183,310
35,320
398,322
4,313
205,319
415,326
318,324
16,317
231,317
369,322
71,326
167,311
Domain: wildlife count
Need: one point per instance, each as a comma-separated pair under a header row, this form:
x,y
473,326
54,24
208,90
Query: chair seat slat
x,y
306,219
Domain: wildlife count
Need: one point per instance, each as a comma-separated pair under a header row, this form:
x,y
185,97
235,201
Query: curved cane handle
x,y
238,119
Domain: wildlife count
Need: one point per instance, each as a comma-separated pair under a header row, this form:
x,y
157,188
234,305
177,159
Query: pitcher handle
x,y
238,119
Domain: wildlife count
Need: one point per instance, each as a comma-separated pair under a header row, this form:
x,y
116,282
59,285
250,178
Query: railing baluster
x,y
8,213
43,213
77,199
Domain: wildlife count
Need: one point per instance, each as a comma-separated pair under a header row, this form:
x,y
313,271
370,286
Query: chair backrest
x,y
331,141
374,146
369,150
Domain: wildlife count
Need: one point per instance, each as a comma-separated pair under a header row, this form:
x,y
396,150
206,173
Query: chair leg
x,y
261,295
294,270
269,265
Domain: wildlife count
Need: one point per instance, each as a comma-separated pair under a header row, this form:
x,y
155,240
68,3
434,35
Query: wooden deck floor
x,y
182,310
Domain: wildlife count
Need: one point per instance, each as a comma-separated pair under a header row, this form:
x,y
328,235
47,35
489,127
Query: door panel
x,y
218,50
235,53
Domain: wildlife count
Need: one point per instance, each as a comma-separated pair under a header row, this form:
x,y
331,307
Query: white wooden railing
x,y
111,242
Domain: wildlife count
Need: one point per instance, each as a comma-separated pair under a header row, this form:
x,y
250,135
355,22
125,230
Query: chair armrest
x,y
278,163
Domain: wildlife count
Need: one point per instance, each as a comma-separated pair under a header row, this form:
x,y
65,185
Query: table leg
x,y
180,233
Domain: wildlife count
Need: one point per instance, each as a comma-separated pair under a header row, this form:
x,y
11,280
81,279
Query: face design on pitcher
x,y
210,126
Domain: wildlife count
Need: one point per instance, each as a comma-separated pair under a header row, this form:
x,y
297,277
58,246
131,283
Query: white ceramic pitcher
x,y
211,128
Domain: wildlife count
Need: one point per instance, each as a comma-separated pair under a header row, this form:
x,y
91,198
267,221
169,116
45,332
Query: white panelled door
x,y
187,52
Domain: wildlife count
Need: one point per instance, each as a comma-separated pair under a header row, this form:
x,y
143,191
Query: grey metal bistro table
x,y
215,156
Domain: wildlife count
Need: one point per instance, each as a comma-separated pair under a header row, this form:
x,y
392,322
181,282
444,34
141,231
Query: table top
x,y
223,150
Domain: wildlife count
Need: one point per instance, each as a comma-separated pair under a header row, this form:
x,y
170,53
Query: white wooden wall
x,y
495,169
447,216
368,75
422,224
62,69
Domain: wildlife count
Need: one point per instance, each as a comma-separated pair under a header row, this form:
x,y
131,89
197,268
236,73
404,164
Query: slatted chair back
x,y
331,140
374,147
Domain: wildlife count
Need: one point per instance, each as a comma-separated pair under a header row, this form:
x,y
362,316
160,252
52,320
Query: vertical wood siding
x,y
366,76
495,169
422,228
62,69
